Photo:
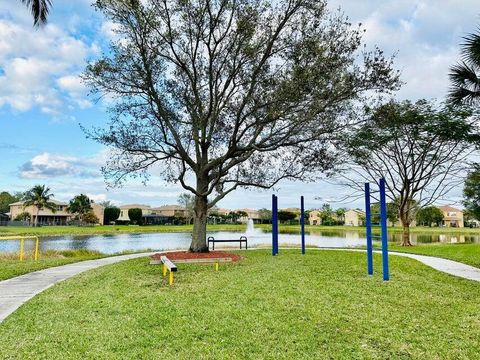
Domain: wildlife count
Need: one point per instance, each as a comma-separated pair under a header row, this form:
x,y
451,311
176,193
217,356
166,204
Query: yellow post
x,y
36,248
170,279
21,249
216,266
164,270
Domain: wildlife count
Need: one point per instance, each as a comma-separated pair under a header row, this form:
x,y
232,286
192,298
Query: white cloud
x,y
47,165
39,68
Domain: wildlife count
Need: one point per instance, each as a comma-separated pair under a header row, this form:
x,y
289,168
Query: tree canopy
x,y
80,205
465,75
421,149
429,215
225,94
471,192
39,197
135,215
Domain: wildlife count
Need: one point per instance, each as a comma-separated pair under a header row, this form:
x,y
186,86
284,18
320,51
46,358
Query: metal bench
x,y
211,239
170,266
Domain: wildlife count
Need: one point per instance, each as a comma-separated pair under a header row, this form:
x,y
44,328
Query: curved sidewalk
x,y
16,291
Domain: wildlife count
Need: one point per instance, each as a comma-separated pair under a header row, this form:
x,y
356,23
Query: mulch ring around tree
x,y
187,257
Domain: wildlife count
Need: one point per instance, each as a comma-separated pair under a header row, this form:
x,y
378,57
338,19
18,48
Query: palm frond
x,y
39,10
471,49
465,84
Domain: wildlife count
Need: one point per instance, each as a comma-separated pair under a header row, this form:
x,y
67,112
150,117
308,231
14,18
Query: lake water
x,y
110,244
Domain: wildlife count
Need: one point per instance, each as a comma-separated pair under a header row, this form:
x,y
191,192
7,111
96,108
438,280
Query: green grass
x,y
11,266
103,229
293,229
465,253
318,306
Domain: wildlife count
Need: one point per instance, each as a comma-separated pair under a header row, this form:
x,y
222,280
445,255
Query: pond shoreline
x,y
286,229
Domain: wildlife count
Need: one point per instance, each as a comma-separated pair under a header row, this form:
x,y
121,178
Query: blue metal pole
x,y
383,220
273,225
302,222
276,225
368,225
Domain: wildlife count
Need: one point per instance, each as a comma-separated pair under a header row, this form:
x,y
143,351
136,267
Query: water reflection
x,y
168,241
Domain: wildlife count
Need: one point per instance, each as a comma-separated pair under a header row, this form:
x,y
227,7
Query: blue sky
x,y
42,101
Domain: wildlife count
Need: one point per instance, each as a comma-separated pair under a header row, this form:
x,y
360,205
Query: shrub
x,y
135,216
110,214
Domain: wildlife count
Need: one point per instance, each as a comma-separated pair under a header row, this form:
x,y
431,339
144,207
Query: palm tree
x,y
465,75
80,205
39,197
39,10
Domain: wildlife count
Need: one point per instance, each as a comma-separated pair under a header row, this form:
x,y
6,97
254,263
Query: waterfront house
x,y
452,217
354,217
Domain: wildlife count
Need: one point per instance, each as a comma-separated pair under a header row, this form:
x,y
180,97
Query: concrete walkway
x,y
447,266
16,291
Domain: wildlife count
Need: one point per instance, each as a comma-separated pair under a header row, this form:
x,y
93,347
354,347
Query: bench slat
x,y
170,265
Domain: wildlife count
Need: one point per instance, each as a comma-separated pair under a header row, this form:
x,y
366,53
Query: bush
x,y
23,216
90,218
110,214
135,216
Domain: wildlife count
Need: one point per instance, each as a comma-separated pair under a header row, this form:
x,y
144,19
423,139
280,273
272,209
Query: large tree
x,y
465,75
230,93
40,198
421,150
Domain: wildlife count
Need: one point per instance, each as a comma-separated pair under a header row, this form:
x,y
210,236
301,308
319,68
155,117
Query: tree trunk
x,y
405,232
199,234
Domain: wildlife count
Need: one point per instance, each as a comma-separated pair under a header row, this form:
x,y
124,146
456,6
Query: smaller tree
x,y
340,212
135,215
392,212
39,197
471,192
23,216
265,216
90,218
286,216
110,214
429,215
6,199
80,205
187,201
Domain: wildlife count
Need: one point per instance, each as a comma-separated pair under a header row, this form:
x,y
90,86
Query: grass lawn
x,y
294,229
319,306
466,253
11,266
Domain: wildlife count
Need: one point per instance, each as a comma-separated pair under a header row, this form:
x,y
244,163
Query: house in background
x,y
170,211
314,218
452,217
354,217
146,210
45,216
251,214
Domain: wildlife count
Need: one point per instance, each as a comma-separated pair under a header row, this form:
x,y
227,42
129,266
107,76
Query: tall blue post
x,y
383,223
302,223
368,224
274,225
